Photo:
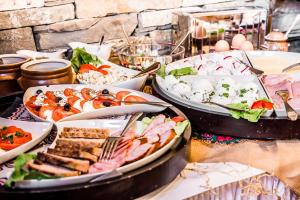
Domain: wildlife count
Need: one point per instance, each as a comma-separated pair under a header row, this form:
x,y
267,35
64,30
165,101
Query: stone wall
x,y
52,24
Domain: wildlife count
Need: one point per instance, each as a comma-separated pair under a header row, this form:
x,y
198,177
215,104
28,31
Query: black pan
x,y
130,185
221,123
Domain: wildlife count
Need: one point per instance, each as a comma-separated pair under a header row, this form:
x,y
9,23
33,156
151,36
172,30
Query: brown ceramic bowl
x,y
46,72
10,71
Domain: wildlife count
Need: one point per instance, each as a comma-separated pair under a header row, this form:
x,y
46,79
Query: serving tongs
x,y
149,70
250,65
223,106
291,113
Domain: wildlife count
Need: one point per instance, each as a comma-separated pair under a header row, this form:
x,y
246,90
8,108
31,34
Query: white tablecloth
x,y
222,181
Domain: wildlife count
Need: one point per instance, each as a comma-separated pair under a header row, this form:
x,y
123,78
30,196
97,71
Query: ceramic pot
x,y
275,41
46,72
10,72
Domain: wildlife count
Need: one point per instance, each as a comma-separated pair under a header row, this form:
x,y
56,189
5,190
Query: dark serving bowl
x,y
221,123
129,186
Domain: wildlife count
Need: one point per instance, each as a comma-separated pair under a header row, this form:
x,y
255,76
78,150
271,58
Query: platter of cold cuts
x,y
221,93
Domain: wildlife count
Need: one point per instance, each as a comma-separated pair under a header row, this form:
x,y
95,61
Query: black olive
x,y
67,107
39,91
105,91
58,99
106,103
38,108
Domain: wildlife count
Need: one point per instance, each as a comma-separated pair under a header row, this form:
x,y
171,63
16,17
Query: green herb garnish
x,y
224,85
226,95
18,134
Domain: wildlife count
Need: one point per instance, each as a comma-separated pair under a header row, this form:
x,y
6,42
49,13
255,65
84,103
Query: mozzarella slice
x,y
77,105
88,106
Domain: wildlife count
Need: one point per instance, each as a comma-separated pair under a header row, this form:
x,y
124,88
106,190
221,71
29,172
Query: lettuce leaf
x,y
181,126
80,56
162,71
252,115
21,173
183,71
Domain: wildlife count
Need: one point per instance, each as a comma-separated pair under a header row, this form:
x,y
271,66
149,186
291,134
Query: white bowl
x,y
102,51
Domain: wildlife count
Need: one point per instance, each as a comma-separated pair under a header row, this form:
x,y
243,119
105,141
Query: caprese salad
x,y
56,105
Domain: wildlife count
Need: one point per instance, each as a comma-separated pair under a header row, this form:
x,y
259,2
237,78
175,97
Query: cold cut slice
x,y
138,152
156,121
166,137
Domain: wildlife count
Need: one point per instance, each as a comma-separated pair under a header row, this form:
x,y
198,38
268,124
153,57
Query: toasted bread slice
x,y
70,163
73,153
69,132
51,169
81,141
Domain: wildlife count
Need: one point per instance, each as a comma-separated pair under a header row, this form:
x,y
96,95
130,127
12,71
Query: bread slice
x,y
76,146
51,169
81,141
73,153
70,163
69,132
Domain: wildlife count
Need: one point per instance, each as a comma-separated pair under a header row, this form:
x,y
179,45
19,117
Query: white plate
x,y
38,130
134,84
237,78
102,112
112,124
102,51
273,62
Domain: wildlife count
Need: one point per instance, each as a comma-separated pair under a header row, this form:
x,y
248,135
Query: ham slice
x,y
274,83
156,121
166,137
162,128
138,152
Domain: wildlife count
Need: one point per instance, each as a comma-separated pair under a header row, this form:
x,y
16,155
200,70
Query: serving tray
x,y
222,123
130,185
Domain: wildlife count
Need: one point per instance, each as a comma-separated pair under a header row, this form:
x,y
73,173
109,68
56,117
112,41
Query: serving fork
x,y
112,98
111,142
291,113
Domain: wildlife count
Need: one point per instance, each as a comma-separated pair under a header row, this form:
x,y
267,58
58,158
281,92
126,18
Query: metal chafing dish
x,y
207,27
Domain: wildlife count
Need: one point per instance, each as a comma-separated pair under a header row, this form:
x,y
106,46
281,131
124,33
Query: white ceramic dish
x,y
134,84
273,62
38,130
239,79
113,125
108,111
102,51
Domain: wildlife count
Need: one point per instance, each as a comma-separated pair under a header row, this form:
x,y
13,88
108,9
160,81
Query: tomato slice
x,y
69,92
49,102
8,146
178,119
135,98
72,100
262,104
45,108
60,113
104,67
268,105
120,95
97,104
26,137
50,95
85,92
102,71
86,67
82,103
